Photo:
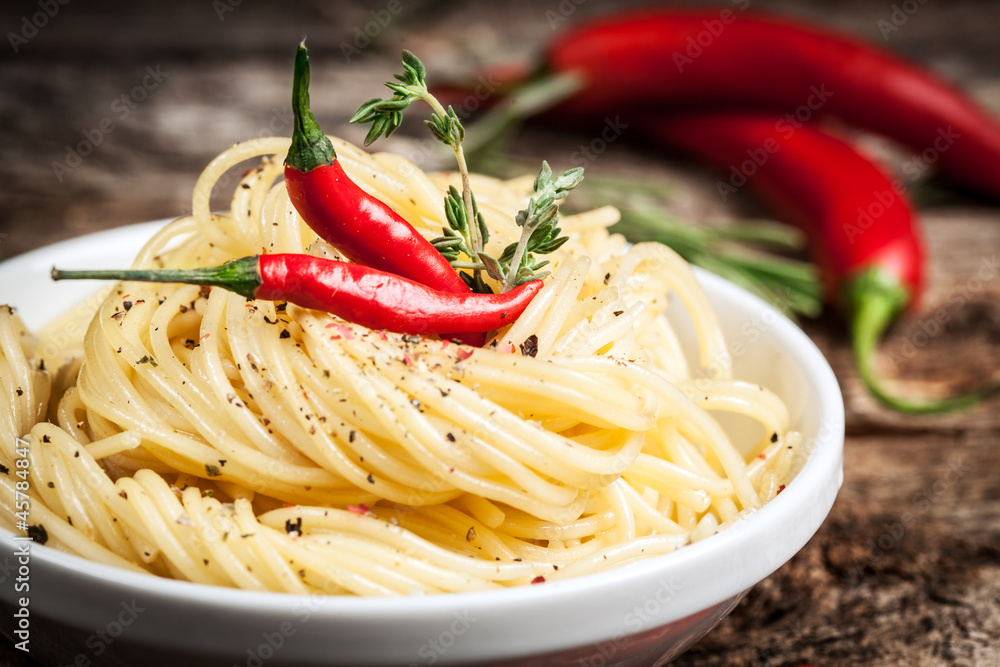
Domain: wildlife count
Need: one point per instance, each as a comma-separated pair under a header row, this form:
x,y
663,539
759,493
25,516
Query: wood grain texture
x,y
906,571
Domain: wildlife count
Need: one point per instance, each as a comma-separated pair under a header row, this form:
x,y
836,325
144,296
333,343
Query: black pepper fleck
x,y
38,534
529,348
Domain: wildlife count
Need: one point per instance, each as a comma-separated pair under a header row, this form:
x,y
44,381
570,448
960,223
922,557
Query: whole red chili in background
x,y
354,292
750,71
818,182
644,60
872,266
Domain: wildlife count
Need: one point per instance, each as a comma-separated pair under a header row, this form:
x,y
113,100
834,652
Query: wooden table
x,y
109,115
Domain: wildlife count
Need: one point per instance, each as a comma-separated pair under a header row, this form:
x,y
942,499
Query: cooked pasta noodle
x,y
194,434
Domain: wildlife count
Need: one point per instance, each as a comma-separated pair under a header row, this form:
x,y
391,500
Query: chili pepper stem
x,y
874,299
310,147
241,276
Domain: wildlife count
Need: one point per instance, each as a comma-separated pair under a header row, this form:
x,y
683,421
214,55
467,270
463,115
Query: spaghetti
x,y
197,435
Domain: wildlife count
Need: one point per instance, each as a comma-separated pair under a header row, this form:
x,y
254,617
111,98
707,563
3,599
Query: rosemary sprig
x,y
792,286
749,253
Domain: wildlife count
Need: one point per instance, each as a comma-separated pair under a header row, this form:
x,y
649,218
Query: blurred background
x,y
109,111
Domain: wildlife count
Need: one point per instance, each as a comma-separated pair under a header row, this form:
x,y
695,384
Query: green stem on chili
x,y
240,276
874,299
310,148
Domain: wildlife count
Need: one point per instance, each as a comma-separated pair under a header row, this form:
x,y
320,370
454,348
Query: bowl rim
x,y
814,486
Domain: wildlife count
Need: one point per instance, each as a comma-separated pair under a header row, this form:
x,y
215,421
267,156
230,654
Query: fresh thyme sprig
x,y
466,233
458,240
539,234
386,115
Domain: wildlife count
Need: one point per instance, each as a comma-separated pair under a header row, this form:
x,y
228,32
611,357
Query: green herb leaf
x,y
492,265
367,111
454,210
413,69
386,115
539,235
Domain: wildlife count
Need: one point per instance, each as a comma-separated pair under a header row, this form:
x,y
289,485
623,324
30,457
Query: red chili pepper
x,y
860,224
726,60
354,292
363,228
815,181
732,60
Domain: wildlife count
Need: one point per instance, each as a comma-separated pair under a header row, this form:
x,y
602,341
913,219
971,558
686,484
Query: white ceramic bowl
x,y
643,614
